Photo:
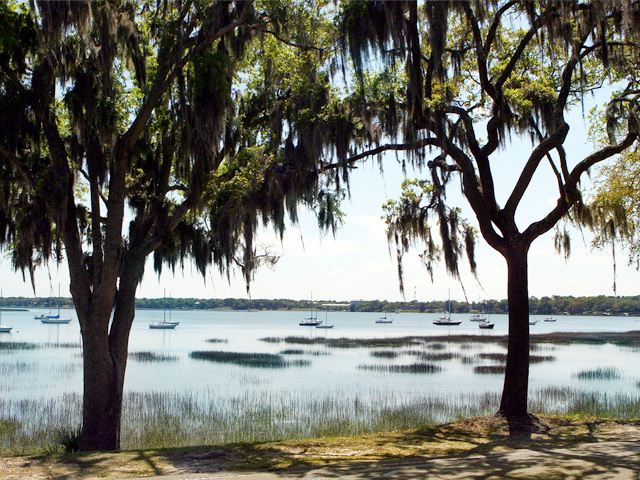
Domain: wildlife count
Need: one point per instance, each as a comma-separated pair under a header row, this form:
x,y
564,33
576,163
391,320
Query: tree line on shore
x,y
554,305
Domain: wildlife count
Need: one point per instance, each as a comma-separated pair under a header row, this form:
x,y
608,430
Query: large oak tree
x,y
168,128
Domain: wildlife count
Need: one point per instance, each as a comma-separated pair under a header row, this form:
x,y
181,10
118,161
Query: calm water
x,y
57,369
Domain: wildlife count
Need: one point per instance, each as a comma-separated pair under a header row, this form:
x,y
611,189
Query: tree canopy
x,y
168,128
476,76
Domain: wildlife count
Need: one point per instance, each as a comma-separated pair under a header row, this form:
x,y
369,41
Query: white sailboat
x,y
446,318
49,314
55,319
326,323
165,324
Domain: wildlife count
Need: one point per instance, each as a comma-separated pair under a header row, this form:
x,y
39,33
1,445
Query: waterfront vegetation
x,y
152,357
262,360
600,373
437,342
174,419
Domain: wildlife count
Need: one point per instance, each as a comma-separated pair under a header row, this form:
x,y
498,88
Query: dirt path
x,y
484,448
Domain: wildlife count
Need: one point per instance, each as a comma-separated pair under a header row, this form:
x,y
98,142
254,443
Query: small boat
x,y
326,323
55,320
311,321
163,325
446,318
550,319
384,320
48,315
479,317
533,322
446,321
486,324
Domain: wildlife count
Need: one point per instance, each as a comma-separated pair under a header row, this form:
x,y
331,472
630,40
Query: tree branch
x,y
19,166
378,150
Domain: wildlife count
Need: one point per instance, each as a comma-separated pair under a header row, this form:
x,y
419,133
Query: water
x,y
57,369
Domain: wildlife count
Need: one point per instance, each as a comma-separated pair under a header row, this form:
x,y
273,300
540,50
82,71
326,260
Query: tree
x,y
477,75
132,128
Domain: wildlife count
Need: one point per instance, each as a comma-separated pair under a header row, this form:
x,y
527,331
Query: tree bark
x,y
103,388
516,380
105,361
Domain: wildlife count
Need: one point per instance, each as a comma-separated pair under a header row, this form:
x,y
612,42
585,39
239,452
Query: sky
x,y
357,264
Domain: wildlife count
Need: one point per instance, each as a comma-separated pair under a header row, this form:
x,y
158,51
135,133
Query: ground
x,y
540,447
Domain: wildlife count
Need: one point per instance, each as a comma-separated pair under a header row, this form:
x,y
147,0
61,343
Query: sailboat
x,y
312,320
3,329
446,318
384,319
55,319
164,324
325,324
48,315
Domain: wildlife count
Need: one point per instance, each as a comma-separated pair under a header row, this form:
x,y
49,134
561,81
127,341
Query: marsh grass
x,y
384,353
600,373
347,342
497,357
205,417
292,351
411,368
262,360
11,346
489,369
541,358
153,357
439,357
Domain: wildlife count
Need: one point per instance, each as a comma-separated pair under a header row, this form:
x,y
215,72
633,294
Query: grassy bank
x,y
159,420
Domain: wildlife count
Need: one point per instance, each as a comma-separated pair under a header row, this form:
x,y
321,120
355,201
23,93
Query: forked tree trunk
x,y
516,379
105,362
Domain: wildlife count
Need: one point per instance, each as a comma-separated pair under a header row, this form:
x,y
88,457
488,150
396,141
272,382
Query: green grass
x,y
600,373
489,369
152,357
262,360
204,417
412,368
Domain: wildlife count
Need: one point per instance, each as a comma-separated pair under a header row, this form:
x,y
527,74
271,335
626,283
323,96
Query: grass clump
x,y
11,346
384,354
412,368
152,357
541,358
262,360
489,369
600,373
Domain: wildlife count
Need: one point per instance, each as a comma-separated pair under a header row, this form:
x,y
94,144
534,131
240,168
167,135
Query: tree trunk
x,y
105,362
103,387
516,379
